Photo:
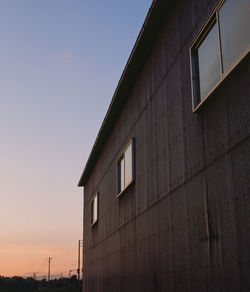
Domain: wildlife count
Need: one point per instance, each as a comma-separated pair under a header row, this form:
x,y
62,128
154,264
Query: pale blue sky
x,y
60,62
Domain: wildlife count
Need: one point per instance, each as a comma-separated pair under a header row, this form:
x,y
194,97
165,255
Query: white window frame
x,y
197,103
121,189
94,208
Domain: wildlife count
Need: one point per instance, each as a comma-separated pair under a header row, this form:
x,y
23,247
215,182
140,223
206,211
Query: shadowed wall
x,y
183,225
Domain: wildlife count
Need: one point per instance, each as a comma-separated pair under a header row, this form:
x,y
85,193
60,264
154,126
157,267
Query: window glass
x,y
95,209
209,62
128,164
125,167
221,49
234,17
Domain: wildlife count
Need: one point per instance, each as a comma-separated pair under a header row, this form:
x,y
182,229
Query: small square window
x,y
95,209
125,167
222,43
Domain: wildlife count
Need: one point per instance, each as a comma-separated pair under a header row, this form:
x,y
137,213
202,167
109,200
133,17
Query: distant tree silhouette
x,y
30,284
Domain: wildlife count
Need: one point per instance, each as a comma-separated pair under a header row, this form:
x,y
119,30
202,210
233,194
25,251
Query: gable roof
x,y
143,45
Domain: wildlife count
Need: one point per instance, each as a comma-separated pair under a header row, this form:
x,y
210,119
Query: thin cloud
x,y
65,57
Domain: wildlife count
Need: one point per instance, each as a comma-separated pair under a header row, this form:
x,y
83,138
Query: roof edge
x,y
154,18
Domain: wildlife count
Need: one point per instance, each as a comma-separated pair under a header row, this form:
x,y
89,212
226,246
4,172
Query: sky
x,y
60,62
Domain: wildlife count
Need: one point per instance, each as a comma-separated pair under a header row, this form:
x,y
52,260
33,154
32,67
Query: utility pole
x,y
49,259
80,243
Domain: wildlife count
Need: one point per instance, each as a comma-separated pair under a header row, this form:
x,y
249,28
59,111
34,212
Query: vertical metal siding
x,y
184,224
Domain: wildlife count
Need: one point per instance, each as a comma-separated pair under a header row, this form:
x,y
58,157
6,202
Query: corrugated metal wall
x,y
184,225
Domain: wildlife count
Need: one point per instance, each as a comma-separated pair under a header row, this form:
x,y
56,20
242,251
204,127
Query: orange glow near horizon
x,y
33,259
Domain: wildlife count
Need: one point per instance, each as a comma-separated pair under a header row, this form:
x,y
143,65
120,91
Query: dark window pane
x,y
209,62
128,165
92,209
122,174
234,18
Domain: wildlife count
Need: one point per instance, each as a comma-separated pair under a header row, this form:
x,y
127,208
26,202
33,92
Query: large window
x,y
125,167
95,209
222,43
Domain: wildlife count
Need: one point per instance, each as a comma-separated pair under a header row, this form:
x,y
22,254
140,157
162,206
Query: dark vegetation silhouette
x,y
30,284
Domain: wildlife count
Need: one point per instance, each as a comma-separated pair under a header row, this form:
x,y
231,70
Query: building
x,y
166,186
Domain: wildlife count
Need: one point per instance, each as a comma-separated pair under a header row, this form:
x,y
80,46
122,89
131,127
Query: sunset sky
x,y
60,62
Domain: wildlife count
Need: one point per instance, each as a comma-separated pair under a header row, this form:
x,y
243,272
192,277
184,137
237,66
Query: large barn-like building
x,y
166,186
